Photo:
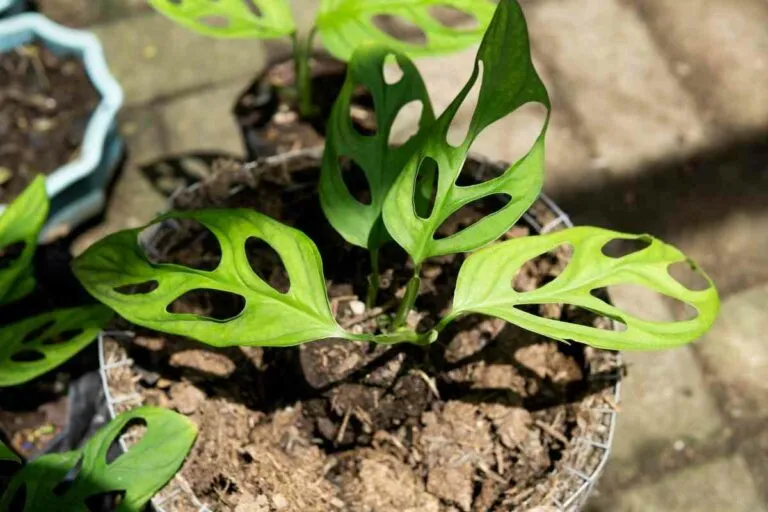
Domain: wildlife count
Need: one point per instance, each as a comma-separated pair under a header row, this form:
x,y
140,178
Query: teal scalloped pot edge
x,y
76,189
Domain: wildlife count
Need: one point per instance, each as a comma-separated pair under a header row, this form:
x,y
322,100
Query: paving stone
x,y
152,58
203,122
511,137
83,13
721,485
667,414
617,81
133,201
720,50
736,354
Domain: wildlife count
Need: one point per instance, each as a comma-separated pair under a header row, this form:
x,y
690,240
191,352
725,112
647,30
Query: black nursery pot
x,y
268,115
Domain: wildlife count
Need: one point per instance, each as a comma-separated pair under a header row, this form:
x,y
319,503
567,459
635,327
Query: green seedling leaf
x,y
53,482
346,24
8,455
360,224
269,317
509,81
259,19
485,286
20,226
36,345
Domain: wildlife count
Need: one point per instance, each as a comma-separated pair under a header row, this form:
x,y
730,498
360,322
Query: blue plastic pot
x,y
11,7
77,189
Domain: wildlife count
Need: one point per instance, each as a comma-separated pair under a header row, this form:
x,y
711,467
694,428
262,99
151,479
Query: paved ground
x,y
660,125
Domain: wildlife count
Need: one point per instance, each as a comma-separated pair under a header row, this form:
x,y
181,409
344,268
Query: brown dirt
x,y
45,104
481,420
269,117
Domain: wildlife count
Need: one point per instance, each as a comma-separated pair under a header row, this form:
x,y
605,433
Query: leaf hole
x,y
363,117
131,434
688,275
406,123
189,243
452,17
214,21
542,269
400,28
254,8
355,180
37,332
426,187
584,316
392,71
19,501
27,356
69,479
621,247
63,337
513,136
208,304
138,289
648,304
105,501
267,264
462,118
470,214
10,253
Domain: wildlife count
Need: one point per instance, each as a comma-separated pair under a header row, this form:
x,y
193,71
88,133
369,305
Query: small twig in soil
x,y
430,382
373,313
344,423
383,435
612,403
552,432
491,473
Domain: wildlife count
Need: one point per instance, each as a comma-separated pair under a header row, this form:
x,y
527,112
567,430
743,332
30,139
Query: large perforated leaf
x,y
36,345
360,224
262,19
20,225
509,81
52,482
485,286
346,24
269,317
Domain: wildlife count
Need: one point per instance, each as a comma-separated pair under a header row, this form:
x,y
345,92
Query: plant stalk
x,y
302,50
373,280
411,293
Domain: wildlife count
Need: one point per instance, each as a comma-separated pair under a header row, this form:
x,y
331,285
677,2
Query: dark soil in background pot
x,y
46,102
268,116
477,421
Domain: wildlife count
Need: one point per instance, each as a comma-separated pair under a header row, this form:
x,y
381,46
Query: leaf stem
x,y
411,293
373,280
302,49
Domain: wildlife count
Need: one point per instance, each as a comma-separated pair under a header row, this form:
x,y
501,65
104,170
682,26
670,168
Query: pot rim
x,y
574,499
26,27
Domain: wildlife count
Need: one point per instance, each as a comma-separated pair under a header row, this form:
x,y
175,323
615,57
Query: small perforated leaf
x,y
360,224
269,317
21,222
263,19
36,345
346,24
485,286
509,81
140,472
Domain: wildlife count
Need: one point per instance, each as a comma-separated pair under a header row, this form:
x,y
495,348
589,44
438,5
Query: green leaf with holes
x,y
270,318
485,286
346,24
47,483
509,81
36,345
260,19
360,224
20,225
